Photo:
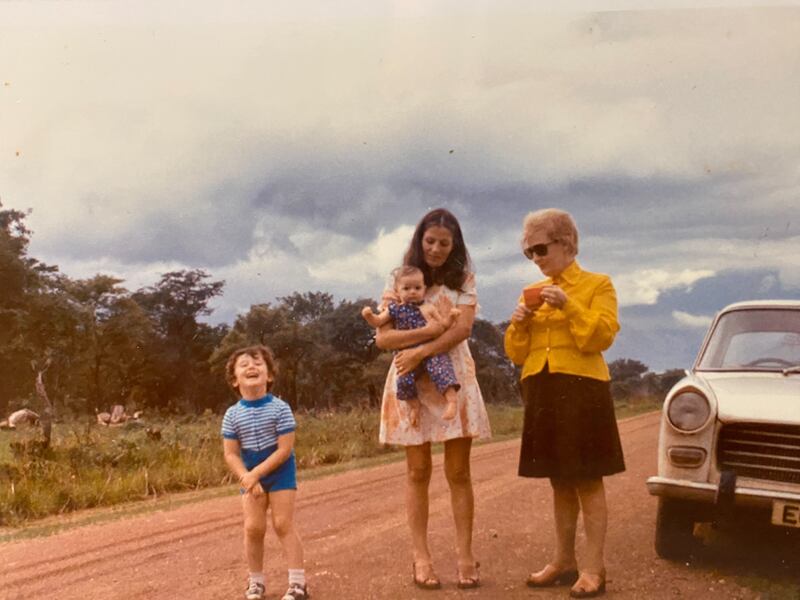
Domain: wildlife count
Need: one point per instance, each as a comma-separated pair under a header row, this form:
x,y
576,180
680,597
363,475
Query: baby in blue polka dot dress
x,y
412,312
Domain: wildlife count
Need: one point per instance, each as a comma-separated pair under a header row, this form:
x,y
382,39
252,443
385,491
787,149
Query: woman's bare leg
x,y
418,477
457,471
592,495
565,508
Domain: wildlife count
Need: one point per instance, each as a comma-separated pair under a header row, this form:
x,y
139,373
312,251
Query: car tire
x,y
675,529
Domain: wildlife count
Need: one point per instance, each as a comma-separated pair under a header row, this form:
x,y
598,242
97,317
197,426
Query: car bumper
x,y
707,493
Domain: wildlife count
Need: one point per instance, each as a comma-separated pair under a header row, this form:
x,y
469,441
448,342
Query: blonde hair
x,y
557,224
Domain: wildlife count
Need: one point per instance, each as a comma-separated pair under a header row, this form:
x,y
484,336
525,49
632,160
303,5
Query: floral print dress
x,y
471,419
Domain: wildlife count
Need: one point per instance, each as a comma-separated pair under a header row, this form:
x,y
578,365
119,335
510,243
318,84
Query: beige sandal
x,y
431,582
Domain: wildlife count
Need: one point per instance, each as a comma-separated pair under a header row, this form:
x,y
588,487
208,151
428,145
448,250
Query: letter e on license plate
x,y
786,513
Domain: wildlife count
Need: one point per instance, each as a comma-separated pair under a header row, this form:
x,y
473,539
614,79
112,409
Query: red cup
x,y
532,296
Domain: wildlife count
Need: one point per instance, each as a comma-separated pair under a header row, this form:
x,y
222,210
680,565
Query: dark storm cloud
x,y
215,231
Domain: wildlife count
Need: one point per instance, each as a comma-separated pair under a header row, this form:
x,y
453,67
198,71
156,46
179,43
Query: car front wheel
x,y
674,528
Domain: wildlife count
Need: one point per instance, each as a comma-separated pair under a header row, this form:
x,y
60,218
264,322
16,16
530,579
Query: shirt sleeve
x,y
517,341
228,428
286,422
594,327
469,296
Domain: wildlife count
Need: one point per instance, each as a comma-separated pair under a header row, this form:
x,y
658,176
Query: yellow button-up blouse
x,y
570,339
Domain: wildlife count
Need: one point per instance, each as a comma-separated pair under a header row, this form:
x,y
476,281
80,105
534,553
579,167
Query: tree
x,y
95,297
624,369
174,305
497,376
36,318
17,280
309,307
322,350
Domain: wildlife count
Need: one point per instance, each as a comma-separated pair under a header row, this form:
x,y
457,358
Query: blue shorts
x,y
282,478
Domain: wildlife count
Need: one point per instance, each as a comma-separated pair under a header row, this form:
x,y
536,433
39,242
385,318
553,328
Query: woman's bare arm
x,y
388,338
407,360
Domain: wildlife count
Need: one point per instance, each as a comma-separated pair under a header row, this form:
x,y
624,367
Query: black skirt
x,y
570,429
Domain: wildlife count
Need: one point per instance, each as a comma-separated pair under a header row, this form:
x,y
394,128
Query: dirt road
x,y
353,526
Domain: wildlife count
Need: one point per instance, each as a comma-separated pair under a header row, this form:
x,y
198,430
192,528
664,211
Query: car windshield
x,y
754,340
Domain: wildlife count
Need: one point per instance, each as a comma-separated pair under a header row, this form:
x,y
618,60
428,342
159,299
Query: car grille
x,y
761,451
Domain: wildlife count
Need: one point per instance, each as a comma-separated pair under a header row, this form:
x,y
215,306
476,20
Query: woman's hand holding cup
x,y
521,313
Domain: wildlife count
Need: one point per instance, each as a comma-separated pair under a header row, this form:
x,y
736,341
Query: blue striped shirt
x,y
256,424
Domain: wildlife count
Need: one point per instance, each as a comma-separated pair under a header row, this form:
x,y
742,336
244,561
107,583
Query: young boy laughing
x,y
258,440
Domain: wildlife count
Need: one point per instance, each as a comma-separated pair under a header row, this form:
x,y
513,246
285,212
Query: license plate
x,y
786,513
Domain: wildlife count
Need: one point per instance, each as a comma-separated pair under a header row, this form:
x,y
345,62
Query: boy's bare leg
x,y
255,507
452,404
413,411
282,503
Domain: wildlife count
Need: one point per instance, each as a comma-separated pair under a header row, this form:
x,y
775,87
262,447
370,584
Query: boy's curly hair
x,y
259,350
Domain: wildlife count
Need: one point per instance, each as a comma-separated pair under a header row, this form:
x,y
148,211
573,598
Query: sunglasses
x,y
538,249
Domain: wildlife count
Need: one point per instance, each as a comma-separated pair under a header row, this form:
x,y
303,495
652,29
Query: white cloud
x,y
376,259
644,286
689,320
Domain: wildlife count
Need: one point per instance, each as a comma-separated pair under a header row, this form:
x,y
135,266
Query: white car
x,y
730,430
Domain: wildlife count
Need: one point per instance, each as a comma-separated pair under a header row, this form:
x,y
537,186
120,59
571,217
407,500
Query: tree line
x,y
150,348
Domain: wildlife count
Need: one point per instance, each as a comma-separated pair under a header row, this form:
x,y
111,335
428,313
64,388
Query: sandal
x,y
468,583
431,582
579,590
552,576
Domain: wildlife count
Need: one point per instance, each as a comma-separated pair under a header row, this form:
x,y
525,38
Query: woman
x,y
570,432
437,248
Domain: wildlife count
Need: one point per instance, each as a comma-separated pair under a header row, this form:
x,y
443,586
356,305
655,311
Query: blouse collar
x,y
569,275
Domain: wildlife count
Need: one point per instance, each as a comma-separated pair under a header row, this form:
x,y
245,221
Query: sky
x,y
293,146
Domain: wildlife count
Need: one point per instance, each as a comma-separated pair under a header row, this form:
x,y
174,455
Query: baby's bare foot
x,y
450,412
413,416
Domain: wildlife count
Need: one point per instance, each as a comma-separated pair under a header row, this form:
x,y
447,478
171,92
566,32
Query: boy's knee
x,y
254,530
282,525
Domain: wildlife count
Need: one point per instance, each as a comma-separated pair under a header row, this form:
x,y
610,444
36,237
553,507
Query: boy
x,y
258,441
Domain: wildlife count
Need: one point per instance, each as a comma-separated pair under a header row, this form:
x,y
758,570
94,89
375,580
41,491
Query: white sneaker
x,y
255,591
296,591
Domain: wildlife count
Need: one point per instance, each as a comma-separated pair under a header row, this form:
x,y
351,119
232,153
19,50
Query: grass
x,y
88,466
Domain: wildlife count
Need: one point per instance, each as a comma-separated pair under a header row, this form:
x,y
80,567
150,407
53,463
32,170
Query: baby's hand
x,y
455,313
367,312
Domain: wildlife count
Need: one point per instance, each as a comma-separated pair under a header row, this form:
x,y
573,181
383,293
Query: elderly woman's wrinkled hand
x,y
554,296
521,313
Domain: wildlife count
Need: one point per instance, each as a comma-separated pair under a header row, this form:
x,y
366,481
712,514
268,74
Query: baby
x,y
412,312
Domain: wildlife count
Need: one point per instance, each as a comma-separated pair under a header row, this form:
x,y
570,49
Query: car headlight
x,y
688,411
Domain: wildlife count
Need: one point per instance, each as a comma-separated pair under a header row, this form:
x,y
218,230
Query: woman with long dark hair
x,y
437,248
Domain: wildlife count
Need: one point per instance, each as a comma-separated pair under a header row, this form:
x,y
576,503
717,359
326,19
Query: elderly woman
x,y
437,248
557,334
